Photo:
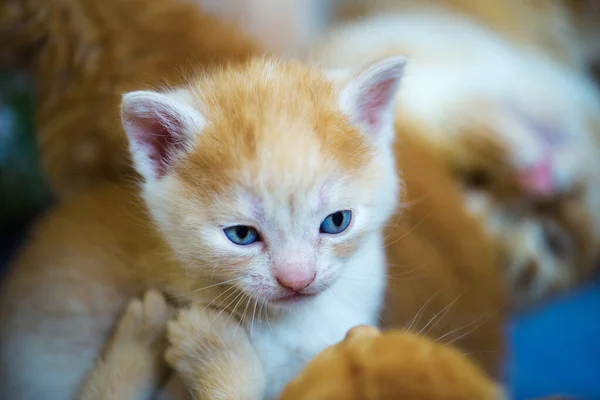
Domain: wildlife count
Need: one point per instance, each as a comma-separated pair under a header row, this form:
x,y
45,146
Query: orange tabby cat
x,y
257,204
85,54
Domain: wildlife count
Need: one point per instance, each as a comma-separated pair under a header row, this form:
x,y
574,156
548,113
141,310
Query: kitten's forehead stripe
x,y
281,123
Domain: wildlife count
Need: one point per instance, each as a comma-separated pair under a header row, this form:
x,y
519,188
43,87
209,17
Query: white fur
x,y
288,344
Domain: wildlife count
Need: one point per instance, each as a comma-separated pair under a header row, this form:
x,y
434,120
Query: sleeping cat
x,y
84,54
483,95
257,201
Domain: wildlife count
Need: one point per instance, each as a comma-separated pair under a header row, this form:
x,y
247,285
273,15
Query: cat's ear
x,y
368,98
160,126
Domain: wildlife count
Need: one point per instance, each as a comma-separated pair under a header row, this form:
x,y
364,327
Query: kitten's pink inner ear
x,y
158,128
375,102
369,98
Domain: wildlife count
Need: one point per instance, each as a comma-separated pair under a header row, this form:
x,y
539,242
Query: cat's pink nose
x,y
295,278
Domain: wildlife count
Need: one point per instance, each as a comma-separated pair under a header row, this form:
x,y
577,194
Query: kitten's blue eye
x,y
336,223
241,235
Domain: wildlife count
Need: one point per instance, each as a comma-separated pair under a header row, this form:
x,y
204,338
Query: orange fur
x,y
132,366
393,365
444,274
85,54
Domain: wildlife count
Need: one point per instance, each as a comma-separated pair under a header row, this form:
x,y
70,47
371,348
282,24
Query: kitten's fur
x,y
235,147
477,86
85,54
440,286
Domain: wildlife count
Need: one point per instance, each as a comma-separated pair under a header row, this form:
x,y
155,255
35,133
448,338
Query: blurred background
x,y
555,347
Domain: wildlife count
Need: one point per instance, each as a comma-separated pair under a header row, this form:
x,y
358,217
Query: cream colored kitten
x,y
267,188
466,83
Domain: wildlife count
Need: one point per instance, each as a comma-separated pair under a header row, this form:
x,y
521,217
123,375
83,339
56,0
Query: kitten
x,y
441,287
84,54
485,89
267,187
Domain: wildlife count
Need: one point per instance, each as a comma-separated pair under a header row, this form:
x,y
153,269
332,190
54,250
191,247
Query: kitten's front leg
x,y
214,357
132,365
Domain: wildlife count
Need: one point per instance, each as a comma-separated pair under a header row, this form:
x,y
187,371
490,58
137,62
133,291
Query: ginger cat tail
x,y
85,54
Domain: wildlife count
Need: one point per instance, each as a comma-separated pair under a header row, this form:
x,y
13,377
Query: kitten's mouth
x,y
292,298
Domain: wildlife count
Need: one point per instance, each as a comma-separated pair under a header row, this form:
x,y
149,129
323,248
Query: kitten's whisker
x,y
227,307
214,285
418,314
477,322
400,215
468,332
253,315
441,314
235,308
213,300
409,231
248,298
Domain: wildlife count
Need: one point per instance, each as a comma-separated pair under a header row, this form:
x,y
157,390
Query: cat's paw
x,y
144,321
190,339
132,364
213,355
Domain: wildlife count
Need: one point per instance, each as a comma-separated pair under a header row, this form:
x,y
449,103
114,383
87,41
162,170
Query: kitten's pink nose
x,y
294,277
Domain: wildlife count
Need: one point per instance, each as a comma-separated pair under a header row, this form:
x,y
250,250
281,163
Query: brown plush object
x,y
368,365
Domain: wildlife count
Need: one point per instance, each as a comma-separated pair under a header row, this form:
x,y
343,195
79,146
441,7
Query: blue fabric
x,y
556,350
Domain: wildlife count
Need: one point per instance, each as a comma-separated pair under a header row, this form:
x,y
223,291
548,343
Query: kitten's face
x,y
279,186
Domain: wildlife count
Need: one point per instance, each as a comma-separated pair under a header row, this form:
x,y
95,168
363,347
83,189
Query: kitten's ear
x,y
369,97
160,127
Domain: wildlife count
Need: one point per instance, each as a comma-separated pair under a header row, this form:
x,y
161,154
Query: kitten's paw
x,y
132,365
190,338
213,356
144,321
